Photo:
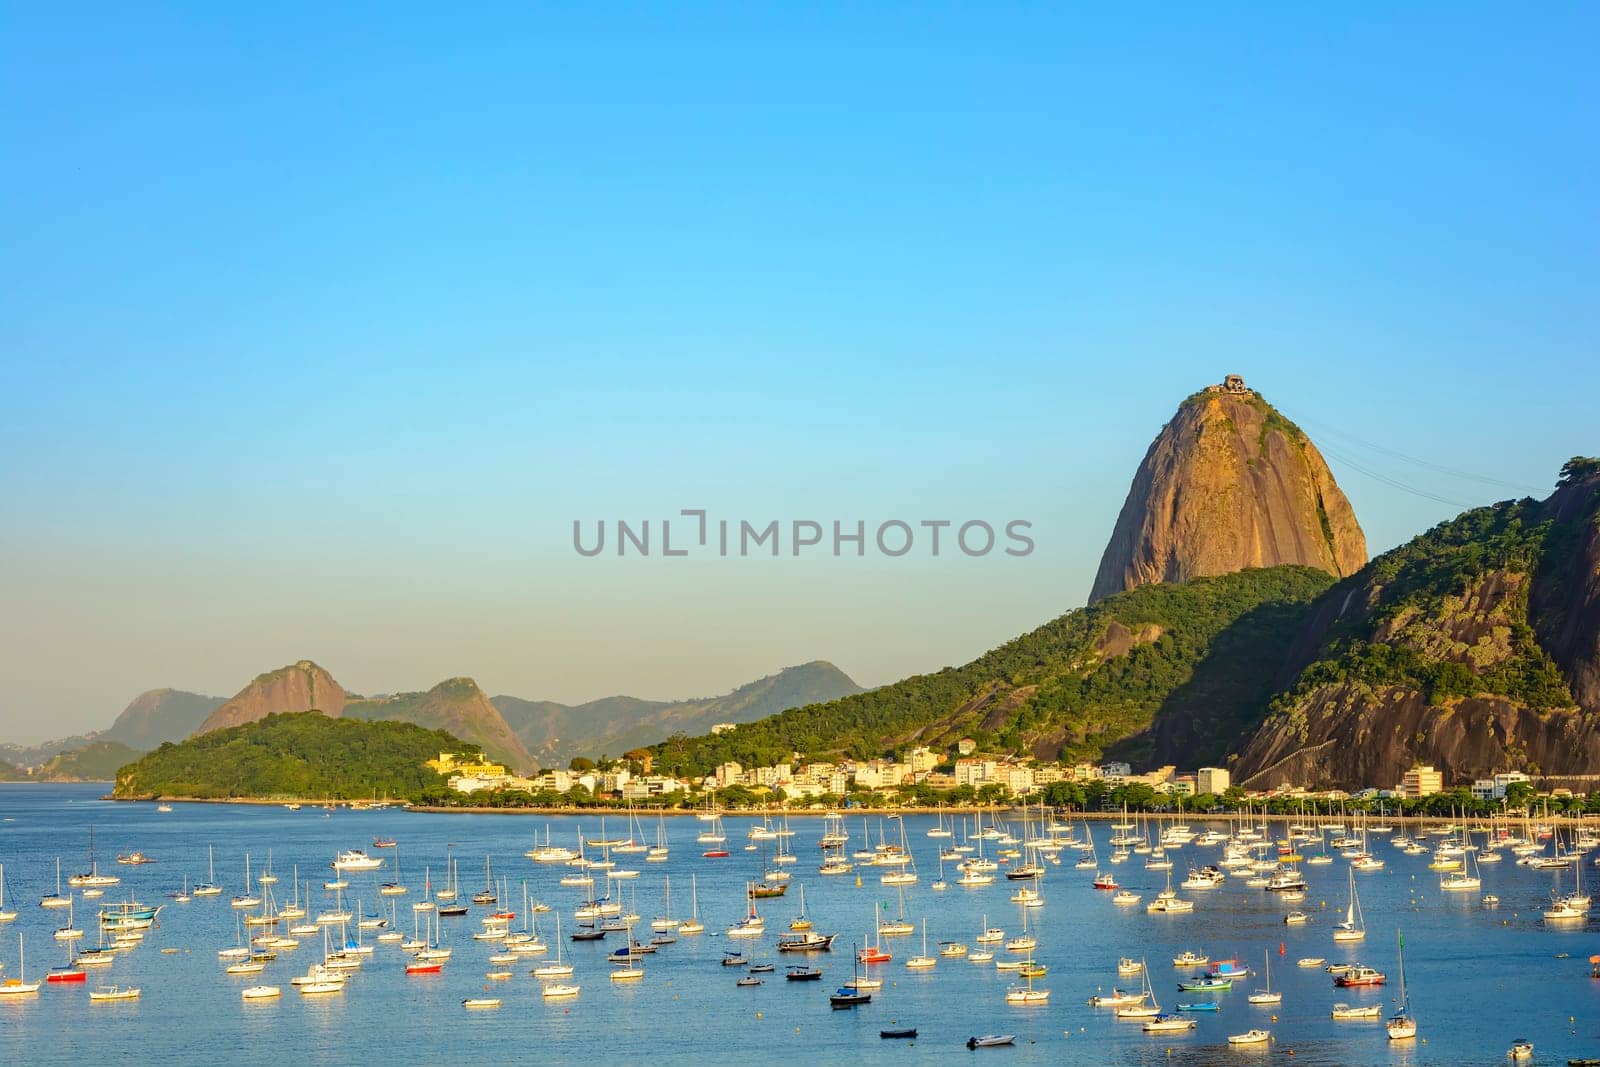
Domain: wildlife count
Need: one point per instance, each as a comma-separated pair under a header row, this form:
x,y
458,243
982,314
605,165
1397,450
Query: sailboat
x,y
924,961
209,887
93,877
875,952
559,968
848,996
1352,928
1266,996
1144,1006
659,852
486,894
1402,1024
665,922
694,925
396,888
10,916
1027,994
56,901
246,899
799,922
69,932
898,927
426,903
19,985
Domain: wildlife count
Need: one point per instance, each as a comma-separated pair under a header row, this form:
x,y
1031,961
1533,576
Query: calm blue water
x,y
1478,978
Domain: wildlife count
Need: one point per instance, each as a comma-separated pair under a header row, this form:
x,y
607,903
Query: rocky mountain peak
x,y
1229,483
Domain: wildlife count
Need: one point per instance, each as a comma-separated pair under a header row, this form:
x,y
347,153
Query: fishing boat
x,y
906,1034
1402,1025
806,942
1360,975
1165,1024
1117,998
1344,1011
113,992
1190,959
1205,985
1250,1037
1521,1049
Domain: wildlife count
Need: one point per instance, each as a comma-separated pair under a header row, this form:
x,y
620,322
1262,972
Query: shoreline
x,y
1010,810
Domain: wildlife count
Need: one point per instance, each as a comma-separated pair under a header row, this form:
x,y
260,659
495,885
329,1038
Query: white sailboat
x,y
56,900
1352,928
1267,995
209,888
924,961
694,925
1402,1024
19,985
5,916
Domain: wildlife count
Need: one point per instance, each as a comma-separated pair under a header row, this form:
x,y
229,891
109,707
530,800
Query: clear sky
x,y
319,327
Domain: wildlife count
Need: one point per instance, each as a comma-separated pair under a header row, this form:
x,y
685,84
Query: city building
x,y
1421,781
1211,780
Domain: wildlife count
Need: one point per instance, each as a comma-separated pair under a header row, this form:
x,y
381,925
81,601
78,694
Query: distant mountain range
x,y
554,733
521,733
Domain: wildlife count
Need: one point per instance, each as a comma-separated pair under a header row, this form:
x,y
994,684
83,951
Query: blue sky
x,y
317,330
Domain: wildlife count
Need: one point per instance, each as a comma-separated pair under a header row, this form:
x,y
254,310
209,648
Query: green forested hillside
x,y
306,755
1087,680
97,761
1448,615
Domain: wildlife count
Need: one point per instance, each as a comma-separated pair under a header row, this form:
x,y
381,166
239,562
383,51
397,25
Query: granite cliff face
x,y
1475,647
301,686
1229,483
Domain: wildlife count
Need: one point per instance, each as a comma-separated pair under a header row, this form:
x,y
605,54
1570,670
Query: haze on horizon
x,y
316,340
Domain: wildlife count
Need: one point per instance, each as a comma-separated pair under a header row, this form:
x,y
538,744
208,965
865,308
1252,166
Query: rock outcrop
x,y
1475,648
1229,483
301,686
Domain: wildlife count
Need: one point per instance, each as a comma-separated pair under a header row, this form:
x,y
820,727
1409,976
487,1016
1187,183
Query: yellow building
x,y
1422,781
468,764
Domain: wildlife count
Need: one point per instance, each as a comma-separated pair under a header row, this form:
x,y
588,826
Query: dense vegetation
x,y
1423,601
304,755
95,762
1068,689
